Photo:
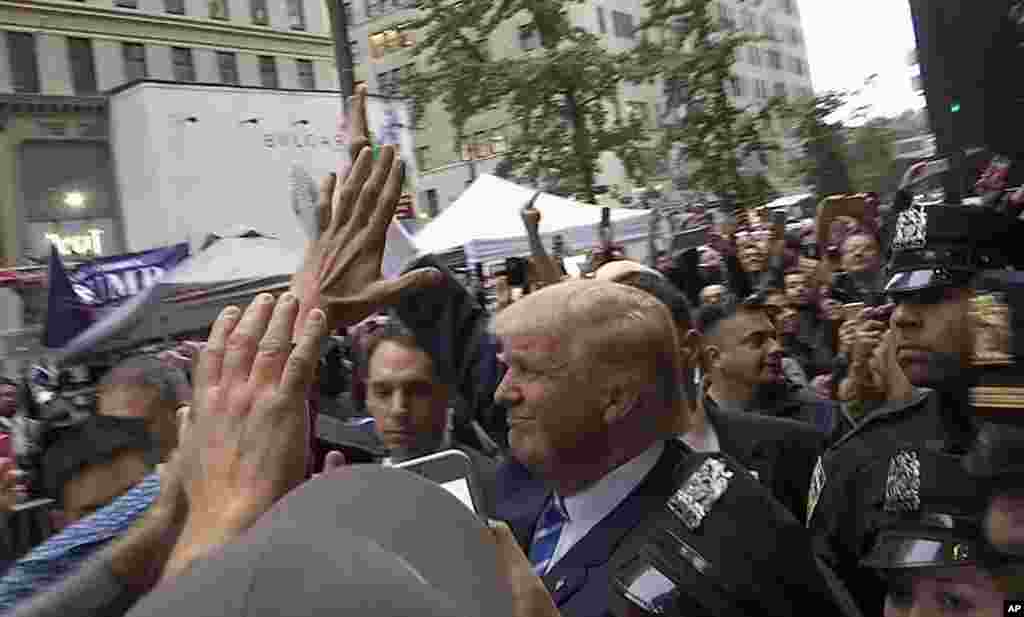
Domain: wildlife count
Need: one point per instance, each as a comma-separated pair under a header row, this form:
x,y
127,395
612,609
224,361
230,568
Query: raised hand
x,y
245,443
529,596
341,271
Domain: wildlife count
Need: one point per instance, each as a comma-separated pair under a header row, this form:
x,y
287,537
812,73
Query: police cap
x,y
929,512
945,245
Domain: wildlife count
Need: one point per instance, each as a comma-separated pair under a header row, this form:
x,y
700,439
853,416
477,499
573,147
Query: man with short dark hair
x,y
781,453
410,405
742,359
91,464
145,387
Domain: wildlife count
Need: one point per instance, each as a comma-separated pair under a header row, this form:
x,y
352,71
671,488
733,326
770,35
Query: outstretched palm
x,y
341,272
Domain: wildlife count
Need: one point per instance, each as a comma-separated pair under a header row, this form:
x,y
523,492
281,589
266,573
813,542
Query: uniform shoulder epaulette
x,y
695,498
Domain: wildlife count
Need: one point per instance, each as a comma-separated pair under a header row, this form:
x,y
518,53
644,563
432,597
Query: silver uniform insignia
x,y
903,485
817,485
911,229
693,501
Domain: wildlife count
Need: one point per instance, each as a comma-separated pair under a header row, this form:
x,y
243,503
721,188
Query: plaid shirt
x,y
62,554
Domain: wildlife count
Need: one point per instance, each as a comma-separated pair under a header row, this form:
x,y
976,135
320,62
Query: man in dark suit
x,y
592,388
780,453
410,404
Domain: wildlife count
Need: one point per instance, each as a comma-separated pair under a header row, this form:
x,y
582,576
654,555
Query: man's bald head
x,y
617,269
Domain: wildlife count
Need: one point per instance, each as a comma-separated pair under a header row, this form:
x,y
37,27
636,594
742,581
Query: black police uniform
x,y
933,247
929,515
721,546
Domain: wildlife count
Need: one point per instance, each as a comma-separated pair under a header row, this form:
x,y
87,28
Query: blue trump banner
x,y
77,299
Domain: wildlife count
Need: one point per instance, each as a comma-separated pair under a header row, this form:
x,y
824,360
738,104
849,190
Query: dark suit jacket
x,y
781,452
580,583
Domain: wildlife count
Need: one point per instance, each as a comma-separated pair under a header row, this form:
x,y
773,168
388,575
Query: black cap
x,y
361,540
945,245
929,512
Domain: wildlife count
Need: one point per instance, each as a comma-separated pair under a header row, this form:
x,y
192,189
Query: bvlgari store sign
x,y
67,200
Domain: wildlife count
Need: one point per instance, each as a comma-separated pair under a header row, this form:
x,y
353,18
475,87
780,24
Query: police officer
x,y
937,251
714,549
930,550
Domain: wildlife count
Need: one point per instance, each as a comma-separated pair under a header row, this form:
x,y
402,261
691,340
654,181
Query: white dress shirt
x,y
706,441
589,507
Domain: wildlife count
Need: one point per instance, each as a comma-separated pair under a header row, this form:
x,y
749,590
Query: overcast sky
x,y
849,41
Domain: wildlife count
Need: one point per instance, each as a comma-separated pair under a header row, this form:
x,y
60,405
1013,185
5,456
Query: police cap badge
x,y
903,485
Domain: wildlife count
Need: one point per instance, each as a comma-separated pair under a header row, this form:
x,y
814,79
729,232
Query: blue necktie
x,y
545,539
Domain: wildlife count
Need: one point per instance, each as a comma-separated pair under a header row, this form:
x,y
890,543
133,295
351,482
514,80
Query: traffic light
x,y
955,107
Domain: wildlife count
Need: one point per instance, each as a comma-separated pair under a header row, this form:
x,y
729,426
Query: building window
x,y
24,65
228,63
296,15
769,29
795,38
176,7
788,6
638,111
761,88
797,66
268,72
390,82
528,38
306,79
83,66
379,8
774,59
127,4
780,89
433,204
260,16
726,17
219,9
749,21
181,60
353,49
622,25
389,41
134,61
421,157
754,54
739,86
602,25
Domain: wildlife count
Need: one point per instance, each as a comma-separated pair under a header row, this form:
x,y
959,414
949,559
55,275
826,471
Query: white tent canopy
x,y
231,269
485,221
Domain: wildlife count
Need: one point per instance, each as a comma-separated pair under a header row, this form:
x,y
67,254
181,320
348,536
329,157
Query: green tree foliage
x,y
824,144
692,52
870,155
563,96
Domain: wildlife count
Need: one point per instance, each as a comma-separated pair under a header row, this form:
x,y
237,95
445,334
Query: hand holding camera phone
x,y
454,471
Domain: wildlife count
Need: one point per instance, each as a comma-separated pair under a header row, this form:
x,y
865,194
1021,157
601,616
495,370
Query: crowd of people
x,y
784,421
